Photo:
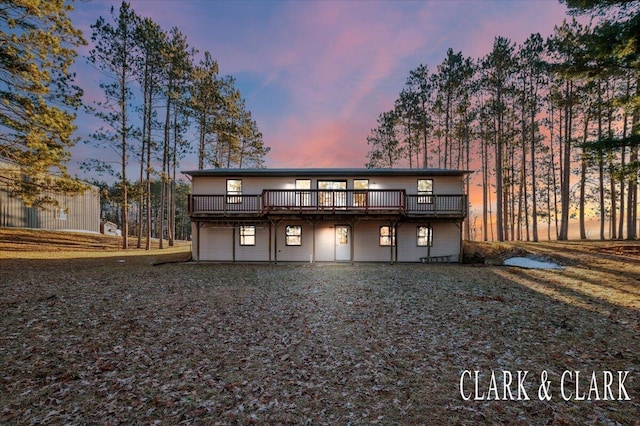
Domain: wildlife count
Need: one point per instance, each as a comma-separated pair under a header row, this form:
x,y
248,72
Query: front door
x,y
343,245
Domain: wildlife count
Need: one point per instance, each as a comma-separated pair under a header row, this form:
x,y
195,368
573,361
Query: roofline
x,y
19,167
326,172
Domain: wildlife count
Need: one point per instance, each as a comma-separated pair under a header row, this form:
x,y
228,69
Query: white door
x,y
343,244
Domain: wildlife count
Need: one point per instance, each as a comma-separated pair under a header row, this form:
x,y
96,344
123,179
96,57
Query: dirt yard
x,y
112,337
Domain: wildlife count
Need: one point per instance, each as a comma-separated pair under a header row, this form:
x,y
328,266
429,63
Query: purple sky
x,y
316,74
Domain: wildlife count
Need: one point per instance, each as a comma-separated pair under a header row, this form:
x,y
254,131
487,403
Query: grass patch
x,y
98,340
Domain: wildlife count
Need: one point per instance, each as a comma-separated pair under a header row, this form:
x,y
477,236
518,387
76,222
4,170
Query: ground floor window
x,y
248,235
425,236
387,236
293,235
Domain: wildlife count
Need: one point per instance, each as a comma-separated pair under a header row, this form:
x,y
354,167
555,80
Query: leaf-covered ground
x,y
116,340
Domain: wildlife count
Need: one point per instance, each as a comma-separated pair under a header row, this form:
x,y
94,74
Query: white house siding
x,y
366,240
325,242
259,252
216,243
251,185
441,184
446,242
301,253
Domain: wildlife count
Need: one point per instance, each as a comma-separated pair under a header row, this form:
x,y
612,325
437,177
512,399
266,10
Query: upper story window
x,y
61,214
360,195
303,193
234,191
332,193
425,190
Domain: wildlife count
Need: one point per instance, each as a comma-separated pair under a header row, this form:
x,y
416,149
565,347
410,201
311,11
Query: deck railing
x,y
282,201
332,200
224,204
437,204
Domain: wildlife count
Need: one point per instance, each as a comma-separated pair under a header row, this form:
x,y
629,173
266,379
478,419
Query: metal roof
x,y
327,172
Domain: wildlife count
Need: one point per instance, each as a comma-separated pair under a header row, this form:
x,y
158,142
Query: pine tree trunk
x,y
566,171
534,194
123,159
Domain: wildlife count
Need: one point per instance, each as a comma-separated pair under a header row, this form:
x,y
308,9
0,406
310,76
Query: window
x,y
248,235
332,193
425,236
387,236
425,188
303,192
342,234
234,190
360,195
293,235
61,214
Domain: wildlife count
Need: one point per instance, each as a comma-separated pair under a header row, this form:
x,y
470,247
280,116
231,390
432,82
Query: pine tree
x,y
498,69
420,84
115,53
615,44
151,40
37,95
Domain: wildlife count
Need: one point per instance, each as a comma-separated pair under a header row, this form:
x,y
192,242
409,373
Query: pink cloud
x,y
330,68
323,145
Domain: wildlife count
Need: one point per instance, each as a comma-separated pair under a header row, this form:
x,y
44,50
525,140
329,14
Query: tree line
x,y
175,94
158,92
551,126
111,200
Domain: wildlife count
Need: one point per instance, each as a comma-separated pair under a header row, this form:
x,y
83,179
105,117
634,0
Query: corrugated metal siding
x,y
82,212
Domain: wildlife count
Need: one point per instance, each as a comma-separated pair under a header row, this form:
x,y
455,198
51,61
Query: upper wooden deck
x,y
274,202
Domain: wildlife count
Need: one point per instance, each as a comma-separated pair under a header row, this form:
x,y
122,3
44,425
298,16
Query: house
x,y
79,212
109,228
327,215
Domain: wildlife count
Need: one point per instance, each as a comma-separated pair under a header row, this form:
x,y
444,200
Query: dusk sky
x,y
316,74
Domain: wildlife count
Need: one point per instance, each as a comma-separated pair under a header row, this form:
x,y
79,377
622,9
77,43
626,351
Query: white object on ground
x,y
527,263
